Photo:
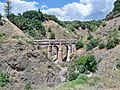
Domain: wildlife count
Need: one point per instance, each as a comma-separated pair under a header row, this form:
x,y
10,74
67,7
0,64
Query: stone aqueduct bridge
x,y
59,45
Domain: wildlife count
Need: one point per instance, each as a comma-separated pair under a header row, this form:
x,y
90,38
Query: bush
x,y
52,35
89,37
101,46
4,79
27,86
83,64
72,75
2,37
104,24
110,44
86,63
92,44
119,27
118,65
113,39
79,44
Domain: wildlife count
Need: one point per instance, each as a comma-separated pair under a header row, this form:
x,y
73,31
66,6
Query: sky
x,y
65,10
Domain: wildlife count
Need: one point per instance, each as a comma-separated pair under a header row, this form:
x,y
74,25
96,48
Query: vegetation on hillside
x,y
113,39
115,12
91,25
4,79
83,64
31,22
79,44
116,9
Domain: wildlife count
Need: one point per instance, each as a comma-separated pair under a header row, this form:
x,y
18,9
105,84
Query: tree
x,y
8,8
0,16
79,44
52,35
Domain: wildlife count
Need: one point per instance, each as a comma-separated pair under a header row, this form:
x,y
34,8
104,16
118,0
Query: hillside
x,y
93,65
23,62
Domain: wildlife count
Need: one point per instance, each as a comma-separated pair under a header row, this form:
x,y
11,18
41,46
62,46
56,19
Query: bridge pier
x,y
69,52
49,51
60,52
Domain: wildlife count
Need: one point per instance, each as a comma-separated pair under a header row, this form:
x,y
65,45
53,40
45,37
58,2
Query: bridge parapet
x,y
55,42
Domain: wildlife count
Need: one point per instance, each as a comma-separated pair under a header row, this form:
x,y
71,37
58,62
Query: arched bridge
x,y
58,46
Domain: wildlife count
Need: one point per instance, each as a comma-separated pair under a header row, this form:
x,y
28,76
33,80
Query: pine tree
x,y
7,8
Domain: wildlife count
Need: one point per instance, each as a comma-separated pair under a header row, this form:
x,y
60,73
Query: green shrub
x,y
52,35
49,29
27,86
81,79
113,39
4,79
92,44
2,37
79,44
118,65
72,75
89,37
86,63
104,24
101,46
83,64
119,27
110,44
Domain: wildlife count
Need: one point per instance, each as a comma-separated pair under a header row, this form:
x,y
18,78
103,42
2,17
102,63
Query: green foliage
x,y
92,44
102,45
91,25
52,35
119,27
33,14
103,24
27,86
113,39
81,79
118,65
49,29
4,79
72,75
30,23
86,63
115,12
117,7
90,36
83,64
79,44
110,44
2,37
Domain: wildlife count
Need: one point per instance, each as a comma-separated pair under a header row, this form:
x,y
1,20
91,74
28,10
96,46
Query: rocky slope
x,y
23,62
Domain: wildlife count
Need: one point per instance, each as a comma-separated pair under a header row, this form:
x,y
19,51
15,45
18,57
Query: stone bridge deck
x,y
55,42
